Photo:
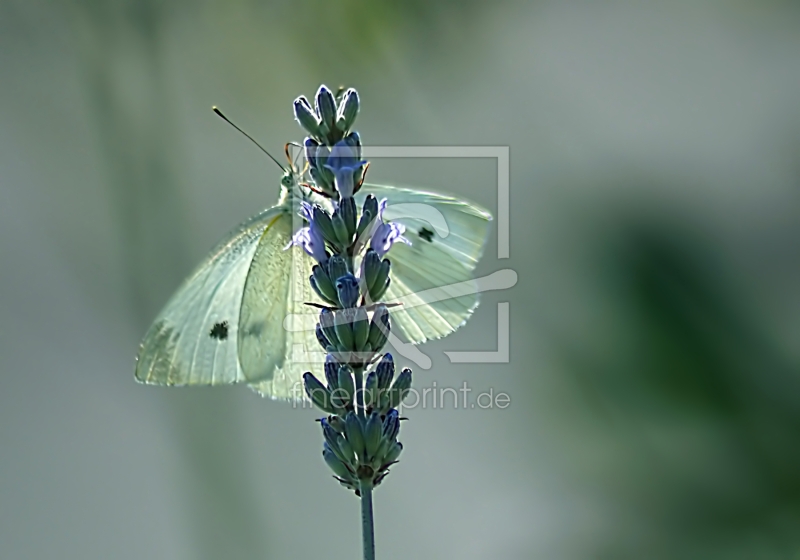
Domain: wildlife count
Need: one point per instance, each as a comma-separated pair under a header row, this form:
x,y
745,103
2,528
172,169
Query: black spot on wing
x,y
426,234
219,331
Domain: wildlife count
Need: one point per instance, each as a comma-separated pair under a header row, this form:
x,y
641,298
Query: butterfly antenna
x,y
227,120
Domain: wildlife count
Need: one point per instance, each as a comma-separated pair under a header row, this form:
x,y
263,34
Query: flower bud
x,y
347,208
322,285
335,464
326,323
305,115
326,109
368,213
331,436
321,338
385,371
348,109
380,280
347,291
400,388
310,147
331,368
318,393
391,425
370,390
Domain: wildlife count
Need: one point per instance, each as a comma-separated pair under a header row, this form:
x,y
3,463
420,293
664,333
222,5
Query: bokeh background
x,y
655,226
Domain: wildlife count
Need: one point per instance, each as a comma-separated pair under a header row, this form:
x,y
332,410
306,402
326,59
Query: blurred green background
x,y
655,226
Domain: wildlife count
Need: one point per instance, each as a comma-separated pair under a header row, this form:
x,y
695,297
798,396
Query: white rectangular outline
x,y
502,155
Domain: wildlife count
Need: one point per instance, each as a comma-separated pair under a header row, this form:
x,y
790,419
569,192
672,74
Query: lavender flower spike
x,y
344,163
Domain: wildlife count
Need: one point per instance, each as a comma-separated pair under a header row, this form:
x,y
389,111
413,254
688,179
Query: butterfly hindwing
x,y
432,278
301,349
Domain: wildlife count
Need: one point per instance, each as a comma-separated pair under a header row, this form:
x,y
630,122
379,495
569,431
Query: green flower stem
x,y
367,528
367,523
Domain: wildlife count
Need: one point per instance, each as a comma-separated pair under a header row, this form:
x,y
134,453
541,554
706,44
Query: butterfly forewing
x,y
194,339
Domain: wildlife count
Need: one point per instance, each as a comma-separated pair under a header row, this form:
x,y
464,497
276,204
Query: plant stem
x,y
367,528
367,524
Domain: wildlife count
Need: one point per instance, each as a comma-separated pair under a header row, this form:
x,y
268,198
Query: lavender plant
x,y
351,275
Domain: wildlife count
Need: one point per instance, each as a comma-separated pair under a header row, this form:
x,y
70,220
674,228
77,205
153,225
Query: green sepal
x,y
321,180
393,454
346,449
380,290
377,461
379,328
379,281
346,383
354,432
343,237
331,369
360,328
372,435
383,400
331,438
347,209
335,464
371,266
318,393
343,322
323,220
341,400
321,338
326,322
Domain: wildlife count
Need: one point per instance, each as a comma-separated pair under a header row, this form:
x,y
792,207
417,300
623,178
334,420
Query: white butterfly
x,y
226,322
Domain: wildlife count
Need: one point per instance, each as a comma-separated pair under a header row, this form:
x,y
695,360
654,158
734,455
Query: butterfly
x,y
242,315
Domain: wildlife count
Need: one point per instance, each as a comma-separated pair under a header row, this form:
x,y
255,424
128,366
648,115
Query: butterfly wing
x,y
432,278
277,343
194,339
